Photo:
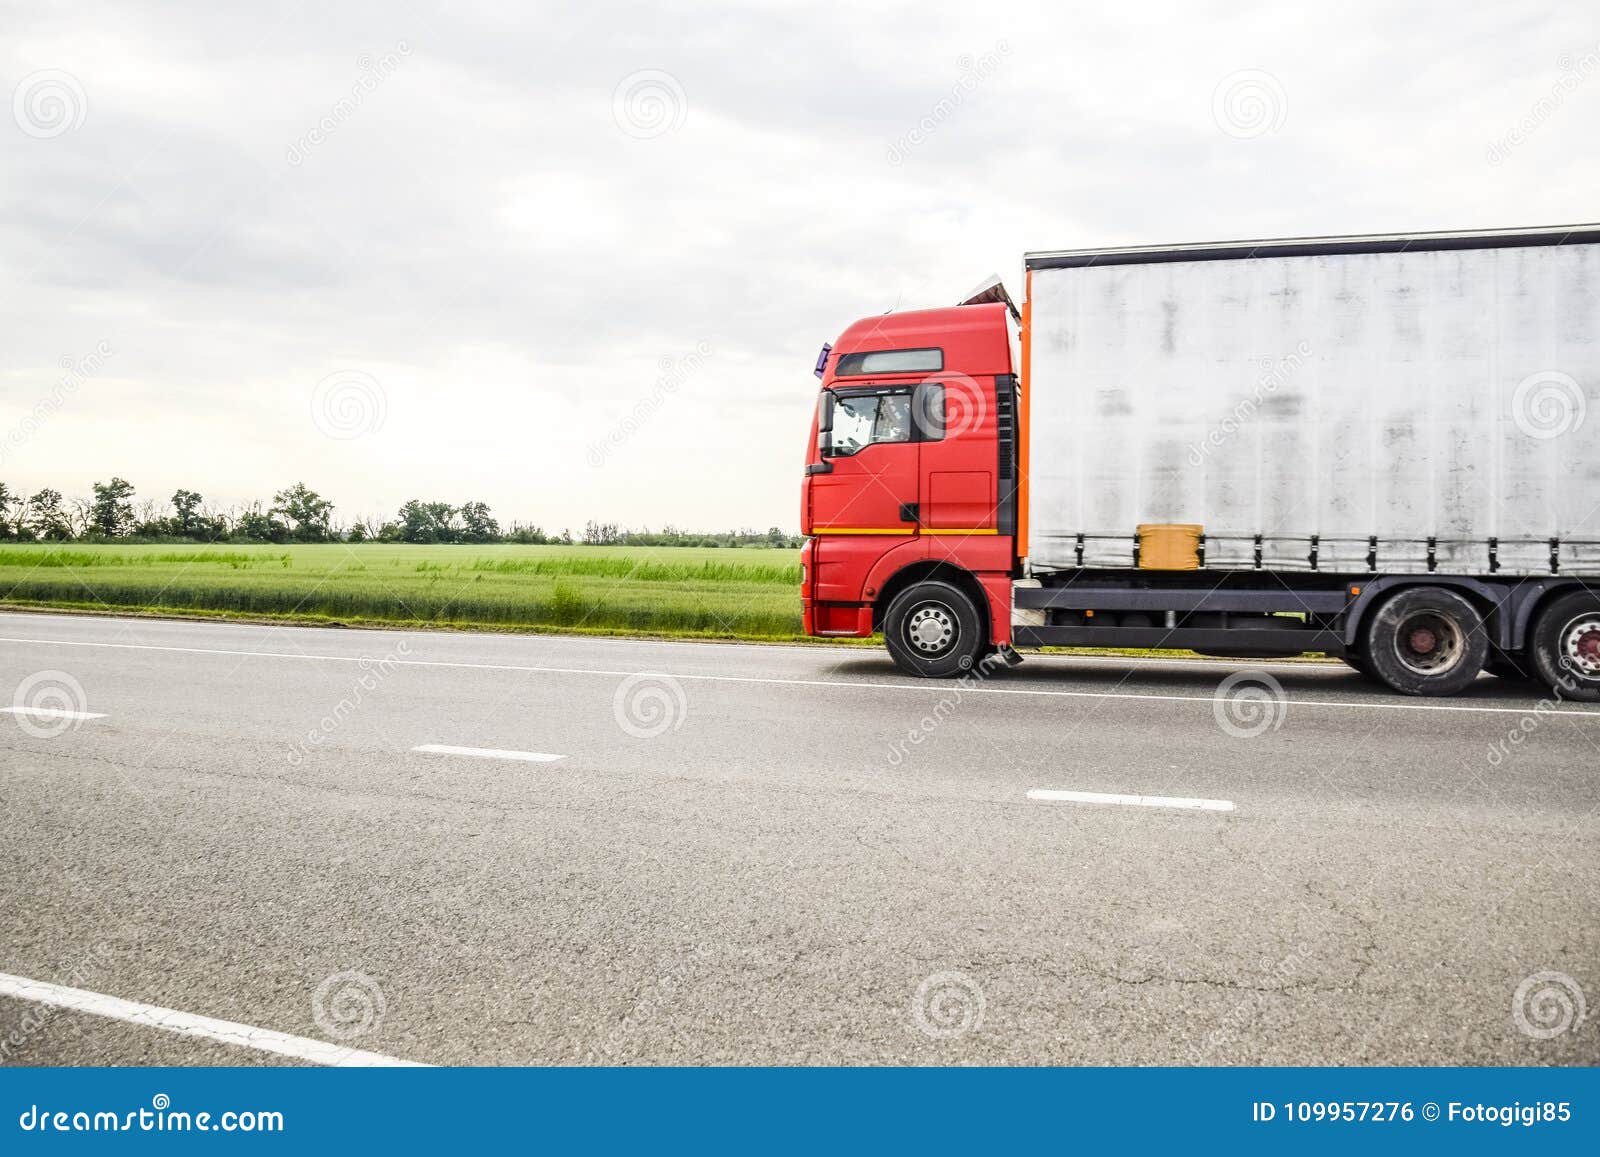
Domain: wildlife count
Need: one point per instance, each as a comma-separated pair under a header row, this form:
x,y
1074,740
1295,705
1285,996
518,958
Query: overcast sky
x,y
577,260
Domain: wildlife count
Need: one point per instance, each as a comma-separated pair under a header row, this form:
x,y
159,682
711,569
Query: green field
x,y
743,593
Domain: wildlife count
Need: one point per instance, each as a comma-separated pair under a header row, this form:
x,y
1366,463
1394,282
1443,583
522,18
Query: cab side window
x,y
864,419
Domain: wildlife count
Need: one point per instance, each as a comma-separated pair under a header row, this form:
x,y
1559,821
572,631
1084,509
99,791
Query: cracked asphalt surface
x,y
779,855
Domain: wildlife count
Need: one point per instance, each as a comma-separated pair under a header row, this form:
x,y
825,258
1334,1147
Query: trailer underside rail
x,y
1230,642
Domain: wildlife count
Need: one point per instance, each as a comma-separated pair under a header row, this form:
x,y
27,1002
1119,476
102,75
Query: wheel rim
x,y
932,630
1580,646
1429,642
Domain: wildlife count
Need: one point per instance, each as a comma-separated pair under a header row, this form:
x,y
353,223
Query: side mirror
x,y
822,359
825,426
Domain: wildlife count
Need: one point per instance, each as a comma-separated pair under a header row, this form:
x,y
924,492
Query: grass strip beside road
x,y
693,592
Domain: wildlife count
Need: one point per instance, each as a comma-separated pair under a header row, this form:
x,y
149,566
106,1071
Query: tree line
x,y
299,514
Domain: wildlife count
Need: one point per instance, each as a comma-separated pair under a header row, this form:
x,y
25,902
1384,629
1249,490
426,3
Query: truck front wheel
x,y
1426,641
933,630
1565,646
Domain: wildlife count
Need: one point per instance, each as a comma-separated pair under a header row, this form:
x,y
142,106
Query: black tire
x,y
1564,648
1425,641
934,630
1513,668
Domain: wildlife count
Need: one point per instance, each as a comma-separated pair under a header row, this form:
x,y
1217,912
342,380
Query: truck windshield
x,y
862,420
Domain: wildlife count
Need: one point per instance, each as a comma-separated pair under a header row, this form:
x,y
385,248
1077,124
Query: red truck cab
x,y
910,495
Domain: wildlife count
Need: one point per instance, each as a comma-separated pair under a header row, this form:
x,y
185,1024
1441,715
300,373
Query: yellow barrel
x,y
1169,546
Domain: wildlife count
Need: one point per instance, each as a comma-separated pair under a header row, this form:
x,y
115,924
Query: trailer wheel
x,y
1425,641
933,630
1565,646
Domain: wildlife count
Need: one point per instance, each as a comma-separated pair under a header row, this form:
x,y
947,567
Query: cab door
x,y
865,480
956,418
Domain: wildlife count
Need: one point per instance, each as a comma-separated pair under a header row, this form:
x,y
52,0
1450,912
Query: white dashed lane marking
x,y
489,753
51,713
1046,795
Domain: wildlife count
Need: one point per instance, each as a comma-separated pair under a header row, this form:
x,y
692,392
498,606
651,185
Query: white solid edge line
x,y
1210,805
489,753
52,713
187,1024
925,688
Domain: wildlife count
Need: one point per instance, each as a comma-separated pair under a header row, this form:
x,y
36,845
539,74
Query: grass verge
x,y
666,591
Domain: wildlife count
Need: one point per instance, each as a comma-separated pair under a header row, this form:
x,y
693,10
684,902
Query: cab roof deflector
x,y
992,292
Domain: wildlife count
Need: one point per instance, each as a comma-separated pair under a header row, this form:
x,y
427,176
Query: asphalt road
x,y
779,854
